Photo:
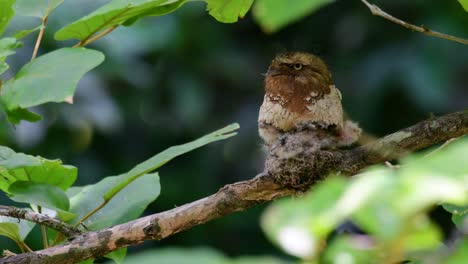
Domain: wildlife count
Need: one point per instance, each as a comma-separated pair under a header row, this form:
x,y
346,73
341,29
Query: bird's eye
x,y
297,66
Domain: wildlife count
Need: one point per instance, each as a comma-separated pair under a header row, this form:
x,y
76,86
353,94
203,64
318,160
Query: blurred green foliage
x,y
390,205
167,80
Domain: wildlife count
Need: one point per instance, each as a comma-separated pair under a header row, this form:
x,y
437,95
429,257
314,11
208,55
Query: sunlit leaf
x,y
10,230
116,12
351,249
228,11
24,227
459,254
21,167
464,3
299,226
272,15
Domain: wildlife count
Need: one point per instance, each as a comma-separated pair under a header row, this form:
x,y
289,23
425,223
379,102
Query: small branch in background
x,y
39,37
85,42
59,226
375,10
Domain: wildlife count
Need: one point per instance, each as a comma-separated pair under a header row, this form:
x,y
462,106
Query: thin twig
x,y
88,215
94,38
446,143
59,226
375,10
39,37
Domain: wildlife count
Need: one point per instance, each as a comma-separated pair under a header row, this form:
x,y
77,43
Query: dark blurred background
x,y
168,80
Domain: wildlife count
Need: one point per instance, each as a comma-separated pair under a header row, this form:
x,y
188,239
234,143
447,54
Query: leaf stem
x,y
43,230
39,37
375,10
96,37
92,212
24,246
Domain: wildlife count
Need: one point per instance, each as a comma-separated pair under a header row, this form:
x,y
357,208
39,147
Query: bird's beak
x,y
273,71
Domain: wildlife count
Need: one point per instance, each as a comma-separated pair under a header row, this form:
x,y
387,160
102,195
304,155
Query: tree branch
x,y
375,10
67,230
264,187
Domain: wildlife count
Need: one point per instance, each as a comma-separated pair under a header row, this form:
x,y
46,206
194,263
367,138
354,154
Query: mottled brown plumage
x,y
299,94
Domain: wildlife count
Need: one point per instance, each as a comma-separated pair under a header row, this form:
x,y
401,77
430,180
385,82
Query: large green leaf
x,y
272,15
125,206
6,13
11,231
464,3
21,167
24,227
300,226
41,194
390,205
459,214
228,11
162,158
115,13
36,8
49,78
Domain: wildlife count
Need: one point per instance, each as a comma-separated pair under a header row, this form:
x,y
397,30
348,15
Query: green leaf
x,y
21,167
228,11
36,8
460,253
3,67
118,255
50,78
10,230
272,15
23,33
299,226
41,194
464,4
422,234
16,115
24,227
162,158
125,206
357,248
6,13
7,48
115,13
459,214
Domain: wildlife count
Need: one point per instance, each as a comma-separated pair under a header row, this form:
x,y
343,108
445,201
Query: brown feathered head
x,y
298,71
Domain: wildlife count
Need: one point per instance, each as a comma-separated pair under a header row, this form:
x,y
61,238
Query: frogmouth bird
x,y
300,95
